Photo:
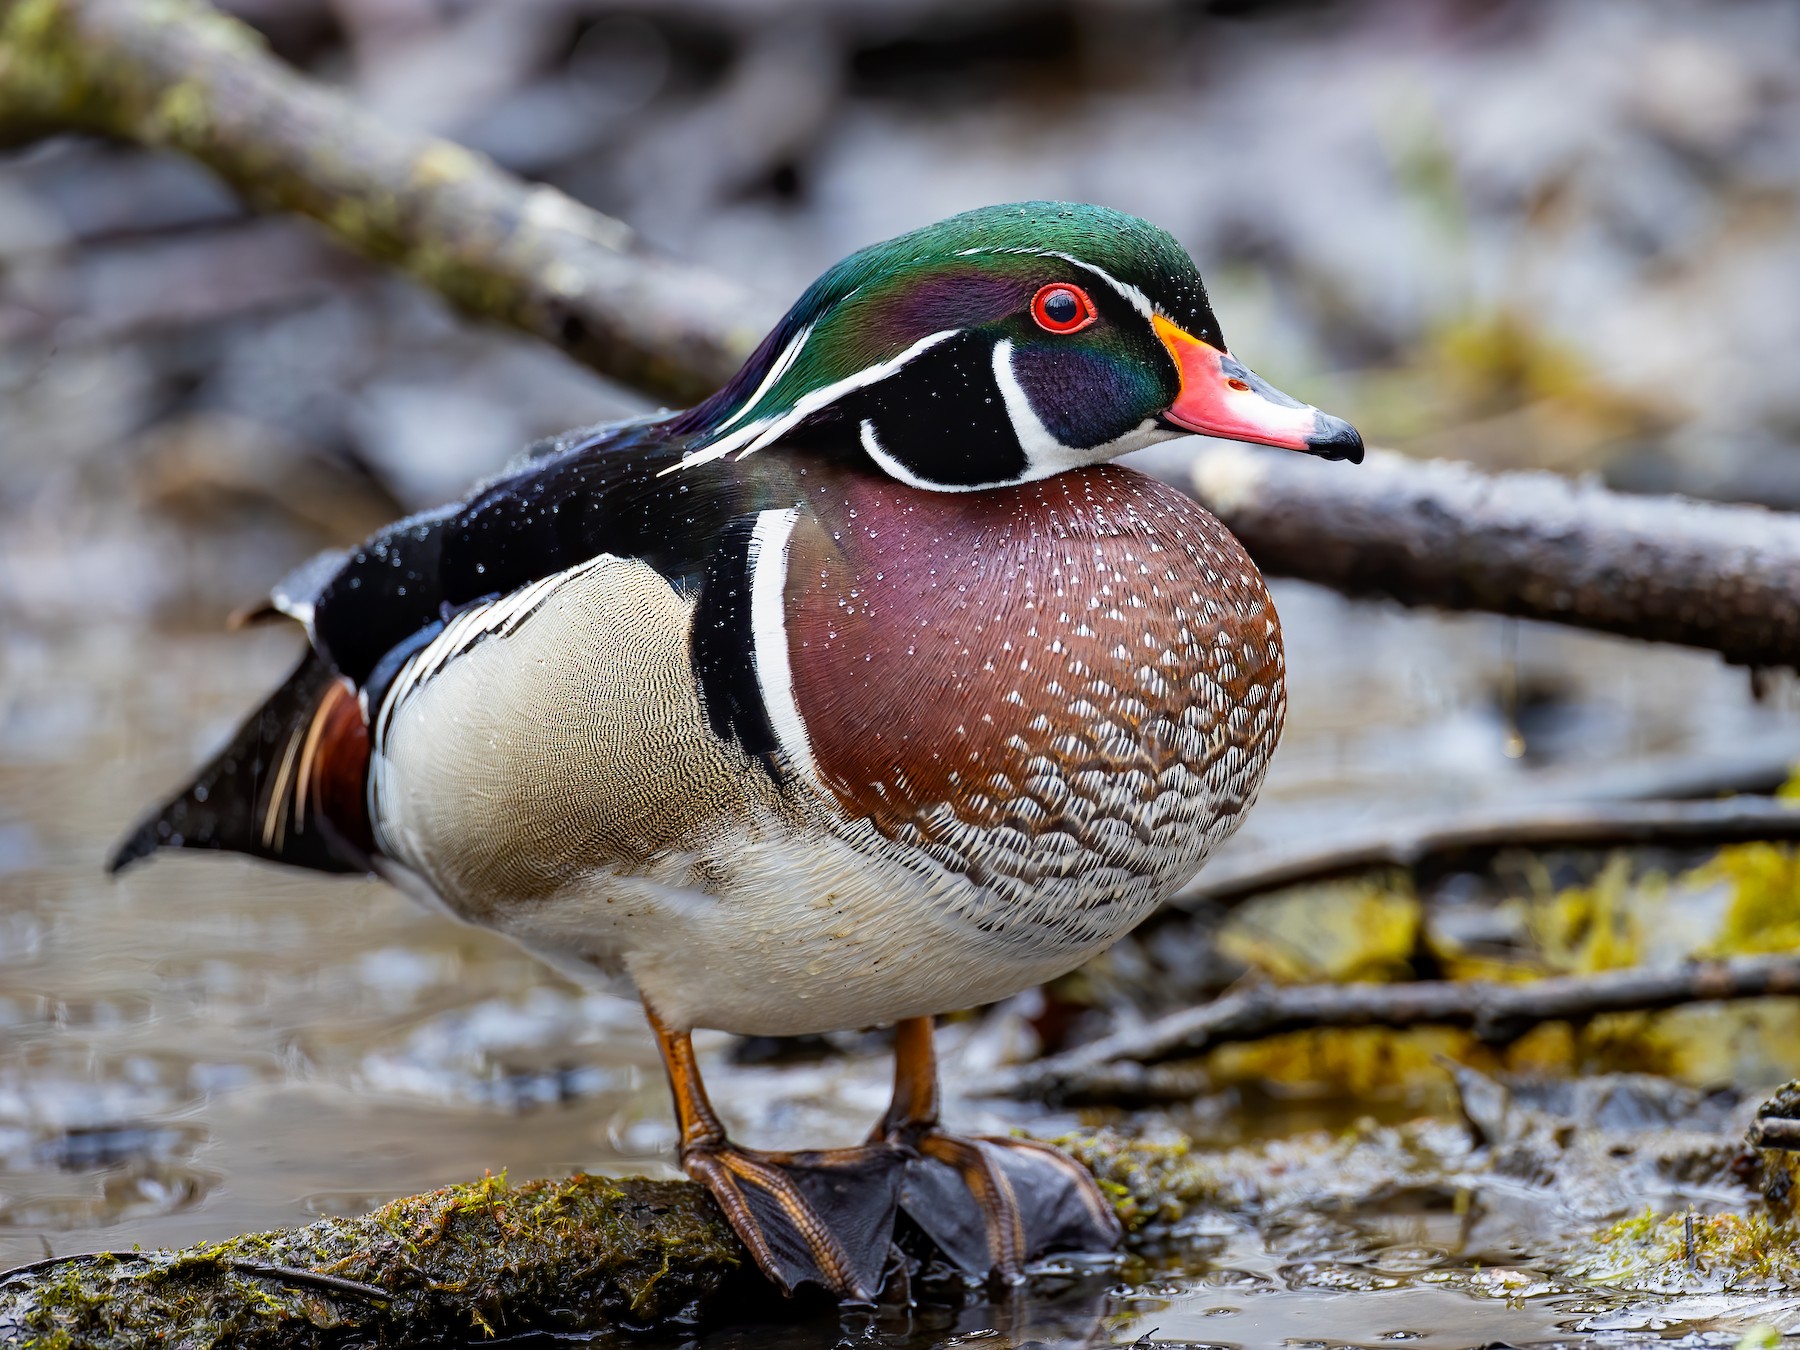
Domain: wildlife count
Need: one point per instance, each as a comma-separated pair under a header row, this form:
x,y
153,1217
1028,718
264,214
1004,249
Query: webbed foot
x,y
991,1204
824,1217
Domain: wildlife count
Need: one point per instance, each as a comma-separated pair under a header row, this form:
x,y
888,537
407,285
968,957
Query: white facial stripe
x,y
768,563
1044,454
1035,440
789,354
1136,298
759,434
876,451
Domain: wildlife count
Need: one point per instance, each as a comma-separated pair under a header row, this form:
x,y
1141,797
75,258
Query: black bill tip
x,y
1334,438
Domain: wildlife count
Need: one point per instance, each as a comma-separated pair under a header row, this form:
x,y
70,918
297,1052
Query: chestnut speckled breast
x,y
1066,691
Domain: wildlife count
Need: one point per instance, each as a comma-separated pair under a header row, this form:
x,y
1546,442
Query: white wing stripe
x,y
474,625
768,564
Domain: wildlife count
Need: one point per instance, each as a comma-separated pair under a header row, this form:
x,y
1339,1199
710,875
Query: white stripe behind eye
x,y
1042,450
768,565
789,354
1139,301
759,434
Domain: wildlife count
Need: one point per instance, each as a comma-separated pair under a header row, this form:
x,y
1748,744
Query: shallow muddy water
x,y
208,1045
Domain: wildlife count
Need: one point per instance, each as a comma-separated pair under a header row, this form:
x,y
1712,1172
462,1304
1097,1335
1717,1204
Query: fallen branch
x,y
1119,1066
1534,545
1468,840
182,76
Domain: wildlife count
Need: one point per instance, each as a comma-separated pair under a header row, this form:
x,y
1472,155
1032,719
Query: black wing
x,y
565,502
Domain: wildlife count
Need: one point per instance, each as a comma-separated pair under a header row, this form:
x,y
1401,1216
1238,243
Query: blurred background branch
x,y
1533,545
1121,1067
180,75
186,77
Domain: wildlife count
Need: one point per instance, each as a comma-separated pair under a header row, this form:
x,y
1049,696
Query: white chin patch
x,y
1043,452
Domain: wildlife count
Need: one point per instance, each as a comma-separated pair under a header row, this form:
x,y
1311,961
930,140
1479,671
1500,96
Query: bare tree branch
x,y
180,75
1469,839
1535,545
1118,1067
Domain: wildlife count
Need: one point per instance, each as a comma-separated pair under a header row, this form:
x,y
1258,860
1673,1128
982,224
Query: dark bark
x,y
1120,1066
1534,545
1471,840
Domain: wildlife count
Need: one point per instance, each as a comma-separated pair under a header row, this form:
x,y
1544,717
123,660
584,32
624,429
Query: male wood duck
x,y
863,691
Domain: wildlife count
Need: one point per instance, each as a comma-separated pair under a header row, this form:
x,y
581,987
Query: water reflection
x,y
1239,1300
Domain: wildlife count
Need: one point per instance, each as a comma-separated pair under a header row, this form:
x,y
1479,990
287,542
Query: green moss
x,y
1365,929
1686,1251
574,1254
182,115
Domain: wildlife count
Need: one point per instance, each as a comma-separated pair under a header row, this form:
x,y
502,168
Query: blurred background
x,y
1524,233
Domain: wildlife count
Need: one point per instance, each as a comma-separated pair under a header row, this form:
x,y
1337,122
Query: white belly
x,y
806,934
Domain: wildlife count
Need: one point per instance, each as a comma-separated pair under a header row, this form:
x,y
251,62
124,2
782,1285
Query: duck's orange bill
x,y
1222,397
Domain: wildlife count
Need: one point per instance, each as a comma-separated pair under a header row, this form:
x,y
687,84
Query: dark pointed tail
x,y
289,787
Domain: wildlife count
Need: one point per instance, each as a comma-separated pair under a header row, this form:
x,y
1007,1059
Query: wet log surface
x,y
469,1264
455,1266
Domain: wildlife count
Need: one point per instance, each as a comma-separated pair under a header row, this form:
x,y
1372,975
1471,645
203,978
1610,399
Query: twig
x,y
72,1258
1467,839
1535,545
336,1284
1113,1066
180,75
1775,1132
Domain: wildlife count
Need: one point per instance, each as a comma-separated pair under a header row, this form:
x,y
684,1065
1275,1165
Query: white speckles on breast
x,y
1113,751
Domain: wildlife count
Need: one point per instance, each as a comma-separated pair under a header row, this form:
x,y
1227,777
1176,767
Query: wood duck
x,y
863,691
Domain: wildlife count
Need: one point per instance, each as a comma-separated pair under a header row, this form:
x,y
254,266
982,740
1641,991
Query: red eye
x,y
1062,308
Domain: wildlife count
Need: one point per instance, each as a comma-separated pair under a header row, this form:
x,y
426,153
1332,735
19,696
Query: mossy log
x,y
467,1262
457,1264
180,75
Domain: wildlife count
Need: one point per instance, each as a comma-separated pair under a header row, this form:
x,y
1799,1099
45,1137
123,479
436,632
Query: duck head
x,y
1000,346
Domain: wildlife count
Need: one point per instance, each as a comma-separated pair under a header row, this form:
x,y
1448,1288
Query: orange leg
x,y
823,1217
989,1203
